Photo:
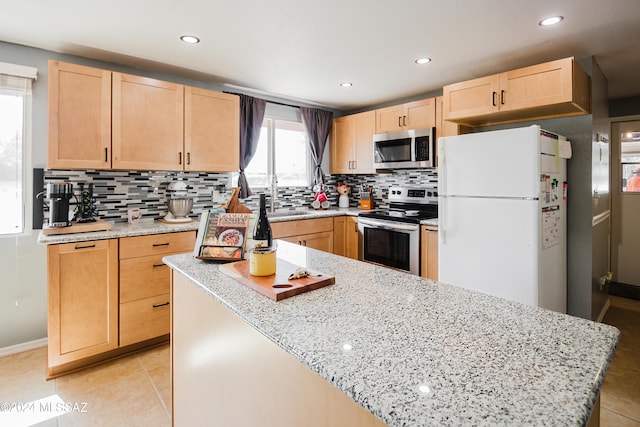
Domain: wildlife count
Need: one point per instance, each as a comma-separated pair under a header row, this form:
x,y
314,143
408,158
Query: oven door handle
x,y
388,225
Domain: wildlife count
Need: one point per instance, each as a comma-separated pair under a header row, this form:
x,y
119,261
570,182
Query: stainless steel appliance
x,y
392,237
179,202
57,196
404,150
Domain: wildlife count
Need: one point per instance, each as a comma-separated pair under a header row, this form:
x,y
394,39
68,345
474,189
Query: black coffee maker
x,y
58,195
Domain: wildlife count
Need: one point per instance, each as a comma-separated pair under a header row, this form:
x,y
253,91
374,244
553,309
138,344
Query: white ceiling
x,y
301,50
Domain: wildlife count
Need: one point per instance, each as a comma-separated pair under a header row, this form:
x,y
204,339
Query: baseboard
x,y
603,312
19,348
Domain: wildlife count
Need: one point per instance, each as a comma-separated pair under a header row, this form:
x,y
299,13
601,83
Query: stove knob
x,y
435,194
429,193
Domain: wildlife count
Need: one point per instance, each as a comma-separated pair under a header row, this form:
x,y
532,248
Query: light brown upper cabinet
x,y
553,89
352,144
147,124
412,115
79,117
211,130
100,119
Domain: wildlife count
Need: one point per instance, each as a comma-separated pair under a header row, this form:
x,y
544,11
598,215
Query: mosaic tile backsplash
x,y
117,191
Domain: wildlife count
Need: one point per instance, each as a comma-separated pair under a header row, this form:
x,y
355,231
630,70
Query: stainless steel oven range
x,y
392,237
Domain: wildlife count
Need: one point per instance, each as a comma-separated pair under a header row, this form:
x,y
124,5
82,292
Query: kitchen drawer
x,y
144,319
143,277
155,244
304,226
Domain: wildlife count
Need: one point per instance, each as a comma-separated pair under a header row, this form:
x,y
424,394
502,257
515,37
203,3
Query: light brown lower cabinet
x,y
313,233
145,282
108,297
345,236
226,373
83,300
429,243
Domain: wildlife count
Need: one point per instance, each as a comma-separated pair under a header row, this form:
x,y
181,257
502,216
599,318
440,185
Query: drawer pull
x,y
159,265
86,246
160,305
155,245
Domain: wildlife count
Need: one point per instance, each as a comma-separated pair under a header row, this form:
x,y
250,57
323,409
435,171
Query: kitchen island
x,y
407,350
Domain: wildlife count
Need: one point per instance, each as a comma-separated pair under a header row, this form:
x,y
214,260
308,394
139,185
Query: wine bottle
x,y
262,229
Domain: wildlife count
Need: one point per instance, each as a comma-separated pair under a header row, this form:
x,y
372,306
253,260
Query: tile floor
x,y
135,390
620,396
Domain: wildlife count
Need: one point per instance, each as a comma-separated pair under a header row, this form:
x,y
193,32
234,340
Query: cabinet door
x,y
390,119
321,241
429,262
472,98
211,130
539,85
147,129
364,129
351,237
343,140
83,299
79,117
339,237
419,114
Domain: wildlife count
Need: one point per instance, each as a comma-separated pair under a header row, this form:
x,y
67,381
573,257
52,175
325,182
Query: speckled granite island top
x,y
415,352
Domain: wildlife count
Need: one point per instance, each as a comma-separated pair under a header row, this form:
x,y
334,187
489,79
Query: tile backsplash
x,y
117,191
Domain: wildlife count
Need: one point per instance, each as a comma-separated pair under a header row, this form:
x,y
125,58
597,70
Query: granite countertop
x,y
148,226
416,352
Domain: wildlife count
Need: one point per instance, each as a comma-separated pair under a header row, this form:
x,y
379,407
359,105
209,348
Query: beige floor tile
x,y
159,357
620,393
161,380
125,401
79,383
15,364
627,303
156,420
23,377
611,419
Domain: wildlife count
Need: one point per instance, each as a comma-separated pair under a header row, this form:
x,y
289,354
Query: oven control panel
x,y
420,195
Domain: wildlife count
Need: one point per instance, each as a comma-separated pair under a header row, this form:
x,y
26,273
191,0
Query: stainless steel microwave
x,y
404,150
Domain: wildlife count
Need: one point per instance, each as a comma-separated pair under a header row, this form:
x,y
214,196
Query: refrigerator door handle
x,y
442,222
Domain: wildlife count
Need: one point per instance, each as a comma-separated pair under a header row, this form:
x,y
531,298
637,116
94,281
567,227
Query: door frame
x,y
615,178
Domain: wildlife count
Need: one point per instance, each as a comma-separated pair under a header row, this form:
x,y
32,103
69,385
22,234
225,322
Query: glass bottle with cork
x,y
262,258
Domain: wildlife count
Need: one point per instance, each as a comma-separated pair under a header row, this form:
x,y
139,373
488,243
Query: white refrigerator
x,y
502,214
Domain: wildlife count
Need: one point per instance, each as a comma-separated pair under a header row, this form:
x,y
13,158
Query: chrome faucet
x,y
273,187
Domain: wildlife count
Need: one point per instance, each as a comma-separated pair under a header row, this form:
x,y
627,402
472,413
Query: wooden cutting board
x,y
77,227
277,286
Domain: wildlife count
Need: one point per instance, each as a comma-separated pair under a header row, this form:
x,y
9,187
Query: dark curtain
x,y
251,116
318,125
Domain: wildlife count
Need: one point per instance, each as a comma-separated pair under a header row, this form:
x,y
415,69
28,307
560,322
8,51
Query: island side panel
x,y
224,372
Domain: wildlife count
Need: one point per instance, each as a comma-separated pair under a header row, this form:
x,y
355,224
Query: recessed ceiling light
x,y
346,84
550,21
423,60
190,39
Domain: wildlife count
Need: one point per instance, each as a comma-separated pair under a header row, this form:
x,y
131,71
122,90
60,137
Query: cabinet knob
x,y
188,158
180,158
155,245
493,98
502,97
399,119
